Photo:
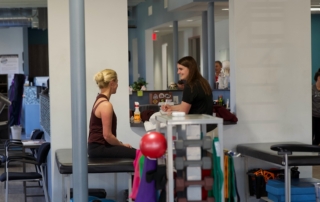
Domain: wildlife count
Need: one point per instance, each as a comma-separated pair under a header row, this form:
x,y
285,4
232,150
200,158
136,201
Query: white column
x,y
270,54
59,71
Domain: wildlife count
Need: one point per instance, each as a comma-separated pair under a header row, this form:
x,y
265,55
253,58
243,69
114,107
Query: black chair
x,y
14,147
288,149
4,101
40,161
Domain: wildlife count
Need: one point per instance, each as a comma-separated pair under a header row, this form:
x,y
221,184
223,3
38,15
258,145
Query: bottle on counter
x,y
220,100
136,114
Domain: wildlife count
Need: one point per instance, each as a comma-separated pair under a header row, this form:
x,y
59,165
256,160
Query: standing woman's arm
x,y
183,107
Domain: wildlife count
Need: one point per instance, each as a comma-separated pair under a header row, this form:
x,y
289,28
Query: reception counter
x,y
145,98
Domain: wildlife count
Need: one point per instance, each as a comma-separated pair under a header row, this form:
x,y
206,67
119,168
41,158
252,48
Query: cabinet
x,y
30,114
173,124
4,115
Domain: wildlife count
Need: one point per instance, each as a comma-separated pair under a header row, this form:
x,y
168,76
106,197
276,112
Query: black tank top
x,y
95,126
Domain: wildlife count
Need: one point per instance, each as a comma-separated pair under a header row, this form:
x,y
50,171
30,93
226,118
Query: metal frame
x,y
66,185
187,120
42,179
287,173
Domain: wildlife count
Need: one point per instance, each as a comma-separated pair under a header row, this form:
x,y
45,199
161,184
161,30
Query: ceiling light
x,y
156,30
225,9
315,9
189,20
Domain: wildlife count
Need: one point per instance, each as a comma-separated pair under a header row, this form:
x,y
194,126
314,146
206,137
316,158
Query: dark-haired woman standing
x,y
197,93
316,109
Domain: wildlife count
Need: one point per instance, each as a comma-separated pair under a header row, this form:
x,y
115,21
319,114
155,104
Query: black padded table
x,y
263,152
95,165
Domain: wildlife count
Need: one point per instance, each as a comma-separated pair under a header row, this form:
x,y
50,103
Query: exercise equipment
x,y
96,199
205,163
205,143
207,183
147,190
153,145
216,171
209,199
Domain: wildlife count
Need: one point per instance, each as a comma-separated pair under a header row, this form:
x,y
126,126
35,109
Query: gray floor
x,y
16,188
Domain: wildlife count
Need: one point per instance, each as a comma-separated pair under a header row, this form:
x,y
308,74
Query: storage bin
x,y
301,190
16,132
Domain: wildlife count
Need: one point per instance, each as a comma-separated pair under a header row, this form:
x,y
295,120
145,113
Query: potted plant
x,y
138,84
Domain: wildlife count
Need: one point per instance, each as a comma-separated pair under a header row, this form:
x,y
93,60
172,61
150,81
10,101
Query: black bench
x,y
95,165
284,154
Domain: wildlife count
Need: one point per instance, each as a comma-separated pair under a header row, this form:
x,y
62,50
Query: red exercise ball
x,y
153,145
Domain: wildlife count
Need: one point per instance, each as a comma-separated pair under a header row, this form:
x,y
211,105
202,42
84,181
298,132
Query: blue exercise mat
x,y
298,186
294,198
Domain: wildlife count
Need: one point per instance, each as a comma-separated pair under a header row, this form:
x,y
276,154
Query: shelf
x,y
189,119
141,125
172,127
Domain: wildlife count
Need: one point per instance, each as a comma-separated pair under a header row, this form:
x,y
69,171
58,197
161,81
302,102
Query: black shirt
x,y
199,101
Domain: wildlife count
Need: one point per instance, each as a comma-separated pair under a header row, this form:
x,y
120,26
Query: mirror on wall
x,y
194,47
164,66
151,47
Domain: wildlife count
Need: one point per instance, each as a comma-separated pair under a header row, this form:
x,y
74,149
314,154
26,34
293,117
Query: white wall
x,y
104,49
270,69
60,106
11,42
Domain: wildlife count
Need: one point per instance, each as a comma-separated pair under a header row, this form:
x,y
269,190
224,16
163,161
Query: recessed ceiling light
x,y
189,20
315,9
156,30
225,9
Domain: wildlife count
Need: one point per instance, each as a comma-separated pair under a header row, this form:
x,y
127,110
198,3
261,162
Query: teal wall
x,y
37,36
315,39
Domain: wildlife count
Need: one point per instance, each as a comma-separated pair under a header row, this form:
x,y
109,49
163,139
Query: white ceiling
x,y
134,2
315,3
196,21
22,3
43,3
219,15
183,24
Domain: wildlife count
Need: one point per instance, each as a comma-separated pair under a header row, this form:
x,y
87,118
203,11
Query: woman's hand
x,y
166,108
127,145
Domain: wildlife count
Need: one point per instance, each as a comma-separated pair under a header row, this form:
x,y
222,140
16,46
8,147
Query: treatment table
x,y
285,154
95,165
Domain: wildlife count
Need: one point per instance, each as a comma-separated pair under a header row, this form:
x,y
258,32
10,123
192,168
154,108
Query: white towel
x,y
152,123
